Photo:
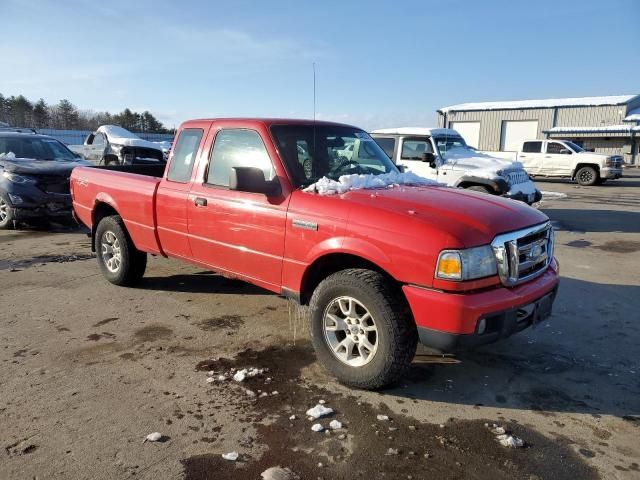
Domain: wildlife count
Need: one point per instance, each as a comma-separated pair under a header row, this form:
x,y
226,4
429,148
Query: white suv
x,y
441,154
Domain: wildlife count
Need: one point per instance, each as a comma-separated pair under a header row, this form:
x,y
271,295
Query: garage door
x,y
470,131
514,132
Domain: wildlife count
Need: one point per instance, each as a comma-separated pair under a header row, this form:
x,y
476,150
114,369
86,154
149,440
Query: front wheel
x,y
120,262
361,328
6,213
587,176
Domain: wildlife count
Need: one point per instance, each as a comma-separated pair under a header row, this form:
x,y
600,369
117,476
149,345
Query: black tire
x,y
479,188
6,213
110,160
396,335
133,262
587,176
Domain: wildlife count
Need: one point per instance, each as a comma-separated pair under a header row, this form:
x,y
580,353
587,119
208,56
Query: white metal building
x,y
608,125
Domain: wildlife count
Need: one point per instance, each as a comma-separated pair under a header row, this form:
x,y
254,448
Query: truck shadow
x,y
595,220
201,282
584,360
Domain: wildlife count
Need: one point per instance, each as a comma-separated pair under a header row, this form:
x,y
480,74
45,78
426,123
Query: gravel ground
x,y
88,369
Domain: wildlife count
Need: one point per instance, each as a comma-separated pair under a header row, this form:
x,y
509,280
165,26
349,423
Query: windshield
x,y
446,143
37,148
312,152
574,147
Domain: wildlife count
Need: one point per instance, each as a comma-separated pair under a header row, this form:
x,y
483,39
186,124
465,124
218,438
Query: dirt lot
x,y
88,369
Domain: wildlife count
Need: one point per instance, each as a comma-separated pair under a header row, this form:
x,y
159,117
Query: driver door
x,y
410,156
558,160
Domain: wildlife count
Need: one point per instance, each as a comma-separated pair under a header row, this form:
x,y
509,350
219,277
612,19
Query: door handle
x,y
547,156
200,202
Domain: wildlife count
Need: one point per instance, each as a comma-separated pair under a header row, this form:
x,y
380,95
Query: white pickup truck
x,y
114,145
441,154
561,158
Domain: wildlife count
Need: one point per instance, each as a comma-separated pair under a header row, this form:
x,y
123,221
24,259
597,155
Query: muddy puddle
x,y
366,447
20,264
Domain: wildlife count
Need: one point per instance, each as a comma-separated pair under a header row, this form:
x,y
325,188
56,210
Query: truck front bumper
x,y
529,198
611,173
448,321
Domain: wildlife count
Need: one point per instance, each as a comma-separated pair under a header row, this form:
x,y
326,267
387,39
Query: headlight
x,y
14,178
466,264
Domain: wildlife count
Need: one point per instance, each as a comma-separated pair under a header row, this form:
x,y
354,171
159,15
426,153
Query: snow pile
x,y
231,456
547,195
278,473
382,418
335,425
477,163
317,427
326,186
7,156
319,411
153,437
241,375
504,438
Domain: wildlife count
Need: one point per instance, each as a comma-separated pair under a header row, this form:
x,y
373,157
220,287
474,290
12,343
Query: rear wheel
x,y
587,176
6,213
479,188
361,328
120,262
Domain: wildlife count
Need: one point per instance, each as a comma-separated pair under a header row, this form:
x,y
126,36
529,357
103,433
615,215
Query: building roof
x,y
547,103
415,131
603,129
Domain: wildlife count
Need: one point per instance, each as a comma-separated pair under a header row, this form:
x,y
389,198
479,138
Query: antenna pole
x,y
314,91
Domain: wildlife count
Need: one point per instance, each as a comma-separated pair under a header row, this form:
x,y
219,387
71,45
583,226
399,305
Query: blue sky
x,y
379,64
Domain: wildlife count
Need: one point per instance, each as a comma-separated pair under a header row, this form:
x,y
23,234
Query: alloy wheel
x,y
111,253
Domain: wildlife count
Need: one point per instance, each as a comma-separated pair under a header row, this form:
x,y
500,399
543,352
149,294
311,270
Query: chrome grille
x,y
516,176
616,162
524,254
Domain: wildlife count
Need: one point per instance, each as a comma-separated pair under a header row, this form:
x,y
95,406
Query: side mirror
x,y
430,158
251,179
565,151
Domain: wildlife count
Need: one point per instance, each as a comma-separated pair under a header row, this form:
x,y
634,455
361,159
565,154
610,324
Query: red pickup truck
x,y
380,269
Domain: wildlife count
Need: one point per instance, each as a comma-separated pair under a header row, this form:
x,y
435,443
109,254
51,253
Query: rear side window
x,y
388,144
412,149
239,148
532,147
184,155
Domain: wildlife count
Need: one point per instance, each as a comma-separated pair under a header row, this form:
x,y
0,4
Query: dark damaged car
x,y
34,178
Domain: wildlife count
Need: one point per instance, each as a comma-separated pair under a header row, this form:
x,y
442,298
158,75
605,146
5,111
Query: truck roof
x,y
416,131
268,122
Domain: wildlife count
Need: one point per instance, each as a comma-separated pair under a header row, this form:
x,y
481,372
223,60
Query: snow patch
x,y
153,437
326,186
317,427
335,425
231,456
544,103
546,194
7,156
319,411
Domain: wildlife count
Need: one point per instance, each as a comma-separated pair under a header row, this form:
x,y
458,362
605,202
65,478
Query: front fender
x,y
498,185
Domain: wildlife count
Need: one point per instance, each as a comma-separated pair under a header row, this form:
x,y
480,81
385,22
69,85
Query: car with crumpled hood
x,y
112,145
34,178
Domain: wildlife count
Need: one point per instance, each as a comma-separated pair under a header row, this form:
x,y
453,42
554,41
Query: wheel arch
x,y
330,263
496,187
101,210
595,166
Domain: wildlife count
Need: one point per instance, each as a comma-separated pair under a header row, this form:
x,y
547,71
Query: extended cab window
x,y
238,148
555,147
532,147
388,144
184,155
412,149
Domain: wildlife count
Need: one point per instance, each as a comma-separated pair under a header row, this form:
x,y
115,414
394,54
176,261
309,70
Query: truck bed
x,y
131,194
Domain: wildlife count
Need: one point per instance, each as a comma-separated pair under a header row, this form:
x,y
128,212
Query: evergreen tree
x,y
41,114
67,115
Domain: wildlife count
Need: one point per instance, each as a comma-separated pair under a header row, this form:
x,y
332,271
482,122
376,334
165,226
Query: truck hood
x,y
467,218
26,166
476,163
134,142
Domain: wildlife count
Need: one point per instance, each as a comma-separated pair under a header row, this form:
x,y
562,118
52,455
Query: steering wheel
x,y
341,166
